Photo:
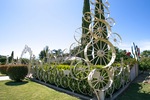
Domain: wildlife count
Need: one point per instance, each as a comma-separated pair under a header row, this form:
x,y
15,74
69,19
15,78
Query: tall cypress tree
x,y
11,58
86,8
85,24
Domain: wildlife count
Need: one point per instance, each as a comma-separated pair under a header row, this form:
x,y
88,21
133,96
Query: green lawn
x,y
28,90
136,91
2,74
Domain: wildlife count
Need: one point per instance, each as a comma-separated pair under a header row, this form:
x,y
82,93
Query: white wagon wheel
x,y
118,81
52,74
80,69
115,39
37,73
73,84
45,76
117,77
126,74
75,49
51,77
110,21
43,72
65,78
64,81
110,90
84,87
98,55
117,70
82,35
88,16
34,74
104,12
100,28
40,74
107,3
100,79
57,80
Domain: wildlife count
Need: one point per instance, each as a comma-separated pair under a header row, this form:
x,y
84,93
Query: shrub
x,y
63,67
130,62
3,69
17,72
144,64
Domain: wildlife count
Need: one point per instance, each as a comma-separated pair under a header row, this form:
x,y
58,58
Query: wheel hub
x,y
84,86
101,78
115,40
100,53
100,11
100,29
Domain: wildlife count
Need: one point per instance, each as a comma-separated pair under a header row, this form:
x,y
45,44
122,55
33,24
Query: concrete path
x,y
2,78
143,78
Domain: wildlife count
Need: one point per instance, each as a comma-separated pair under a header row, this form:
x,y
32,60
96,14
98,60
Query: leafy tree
x,y
144,63
121,54
145,53
3,59
43,53
24,61
58,52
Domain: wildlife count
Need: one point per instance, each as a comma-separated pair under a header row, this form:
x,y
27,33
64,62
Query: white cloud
x,y
143,45
125,46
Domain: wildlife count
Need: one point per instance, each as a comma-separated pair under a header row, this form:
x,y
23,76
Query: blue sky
x,y
38,23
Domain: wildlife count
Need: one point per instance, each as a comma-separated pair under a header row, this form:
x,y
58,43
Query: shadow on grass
x,y
14,83
136,91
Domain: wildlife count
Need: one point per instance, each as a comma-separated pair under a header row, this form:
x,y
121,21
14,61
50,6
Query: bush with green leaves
x,y
3,59
3,69
17,72
144,64
130,62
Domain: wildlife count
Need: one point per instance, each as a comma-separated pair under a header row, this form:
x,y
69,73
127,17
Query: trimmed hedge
x,y
17,72
3,69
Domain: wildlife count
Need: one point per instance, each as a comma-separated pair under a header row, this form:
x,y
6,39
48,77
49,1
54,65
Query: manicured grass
x,y
136,91
2,74
28,90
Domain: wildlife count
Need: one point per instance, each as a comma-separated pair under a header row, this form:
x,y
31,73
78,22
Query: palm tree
x,y
43,53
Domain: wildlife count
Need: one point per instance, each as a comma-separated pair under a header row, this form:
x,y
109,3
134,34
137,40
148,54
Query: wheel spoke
x,y
106,49
97,46
107,58
78,73
97,83
97,60
104,60
100,60
104,46
93,81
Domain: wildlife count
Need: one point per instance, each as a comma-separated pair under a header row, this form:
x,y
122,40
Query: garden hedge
x,y
17,72
3,69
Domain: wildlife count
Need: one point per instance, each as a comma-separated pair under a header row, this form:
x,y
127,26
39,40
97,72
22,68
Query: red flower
x,y
128,53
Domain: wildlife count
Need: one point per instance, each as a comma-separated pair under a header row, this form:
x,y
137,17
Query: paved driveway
x,y
4,78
